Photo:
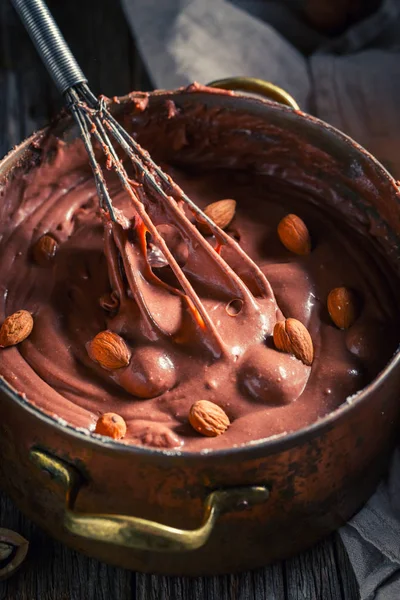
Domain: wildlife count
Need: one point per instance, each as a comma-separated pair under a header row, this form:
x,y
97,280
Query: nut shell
x,y
208,418
111,425
13,550
342,307
109,350
294,235
221,212
16,328
292,337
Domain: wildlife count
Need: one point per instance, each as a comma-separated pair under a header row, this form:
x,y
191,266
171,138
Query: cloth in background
x,y
352,82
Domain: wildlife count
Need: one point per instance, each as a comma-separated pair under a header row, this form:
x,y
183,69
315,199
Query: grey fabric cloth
x,y
184,41
353,82
372,540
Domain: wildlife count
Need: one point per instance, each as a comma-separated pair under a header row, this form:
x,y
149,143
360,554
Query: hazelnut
x,y
111,425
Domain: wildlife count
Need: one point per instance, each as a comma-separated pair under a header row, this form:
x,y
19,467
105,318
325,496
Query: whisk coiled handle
x,y
50,43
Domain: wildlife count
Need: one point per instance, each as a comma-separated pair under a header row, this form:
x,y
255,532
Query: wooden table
x,y
100,39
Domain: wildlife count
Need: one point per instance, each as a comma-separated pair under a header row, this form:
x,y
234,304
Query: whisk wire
x,y
97,117
84,126
95,121
135,151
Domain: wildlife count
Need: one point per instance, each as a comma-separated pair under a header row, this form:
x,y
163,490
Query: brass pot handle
x,y
132,532
256,86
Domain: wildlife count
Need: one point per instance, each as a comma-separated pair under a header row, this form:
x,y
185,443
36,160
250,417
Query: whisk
x,y
95,122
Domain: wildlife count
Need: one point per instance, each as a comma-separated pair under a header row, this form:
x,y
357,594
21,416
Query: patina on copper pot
x,y
272,498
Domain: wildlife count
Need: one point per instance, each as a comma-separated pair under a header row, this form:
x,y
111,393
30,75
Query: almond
x,y
111,425
221,212
208,418
343,307
292,337
16,328
294,235
109,350
44,250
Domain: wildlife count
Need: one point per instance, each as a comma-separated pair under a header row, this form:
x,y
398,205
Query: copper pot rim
x,y
272,444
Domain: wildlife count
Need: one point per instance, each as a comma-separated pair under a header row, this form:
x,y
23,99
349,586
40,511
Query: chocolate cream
x,y
177,358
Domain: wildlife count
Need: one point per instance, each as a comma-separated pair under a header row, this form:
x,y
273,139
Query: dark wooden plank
x,y
25,86
322,573
100,39
263,584
348,580
53,572
314,575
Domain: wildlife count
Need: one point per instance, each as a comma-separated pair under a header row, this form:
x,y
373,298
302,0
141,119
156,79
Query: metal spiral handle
x,y
50,43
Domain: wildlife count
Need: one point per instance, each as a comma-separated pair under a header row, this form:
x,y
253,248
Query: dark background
x,y
98,35
100,39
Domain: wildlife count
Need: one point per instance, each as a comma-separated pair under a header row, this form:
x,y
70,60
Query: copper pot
x,y
190,513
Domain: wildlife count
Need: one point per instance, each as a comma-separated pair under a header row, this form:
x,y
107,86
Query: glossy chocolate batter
x,y
175,360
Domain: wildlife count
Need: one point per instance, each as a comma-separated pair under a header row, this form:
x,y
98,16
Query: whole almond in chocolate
x,y
16,328
291,336
221,212
343,307
208,418
44,250
109,350
294,235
